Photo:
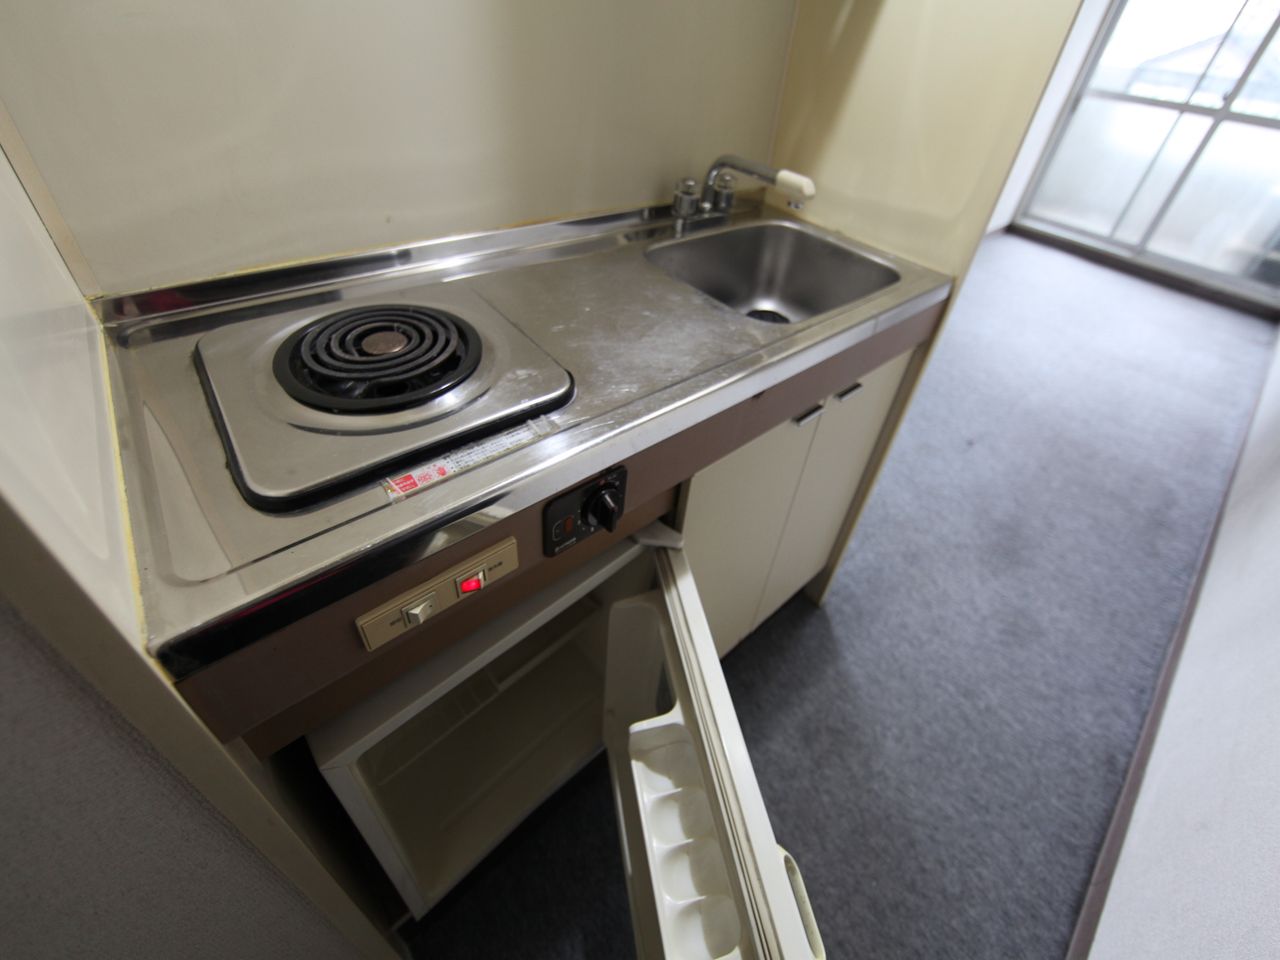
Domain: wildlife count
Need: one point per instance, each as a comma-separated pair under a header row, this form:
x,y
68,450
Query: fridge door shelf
x,y
706,876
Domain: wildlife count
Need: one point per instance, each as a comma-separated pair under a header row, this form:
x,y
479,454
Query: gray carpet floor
x,y
942,744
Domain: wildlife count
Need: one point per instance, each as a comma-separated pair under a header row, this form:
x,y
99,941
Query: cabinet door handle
x,y
848,392
802,902
808,415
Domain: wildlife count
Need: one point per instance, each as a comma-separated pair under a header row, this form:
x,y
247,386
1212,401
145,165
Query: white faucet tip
x,y
798,184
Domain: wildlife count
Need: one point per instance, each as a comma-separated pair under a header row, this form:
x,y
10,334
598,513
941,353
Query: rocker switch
x,y
419,611
470,583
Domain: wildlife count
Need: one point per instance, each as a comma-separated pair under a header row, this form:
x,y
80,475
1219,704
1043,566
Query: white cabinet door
x,y
705,875
733,521
847,432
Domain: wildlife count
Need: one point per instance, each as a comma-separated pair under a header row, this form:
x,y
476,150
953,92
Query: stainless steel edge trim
x,y
449,257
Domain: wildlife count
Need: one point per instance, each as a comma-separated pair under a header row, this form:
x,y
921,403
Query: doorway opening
x,y
1167,154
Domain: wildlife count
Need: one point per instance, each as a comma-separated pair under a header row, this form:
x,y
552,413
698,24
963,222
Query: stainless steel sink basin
x,y
774,271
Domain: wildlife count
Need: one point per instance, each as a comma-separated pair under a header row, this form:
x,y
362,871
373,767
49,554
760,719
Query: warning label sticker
x,y
407,483
429,474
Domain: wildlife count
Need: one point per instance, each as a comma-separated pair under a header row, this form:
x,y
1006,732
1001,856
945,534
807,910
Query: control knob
x,y
603,508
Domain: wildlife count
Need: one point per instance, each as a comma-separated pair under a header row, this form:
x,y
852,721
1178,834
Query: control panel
x,y
418,605
572,517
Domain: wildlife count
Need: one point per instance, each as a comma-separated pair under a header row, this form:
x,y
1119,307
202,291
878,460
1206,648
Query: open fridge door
x,y
706,877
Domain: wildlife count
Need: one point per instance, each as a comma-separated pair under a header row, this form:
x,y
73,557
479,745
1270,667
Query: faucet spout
x,y
788,181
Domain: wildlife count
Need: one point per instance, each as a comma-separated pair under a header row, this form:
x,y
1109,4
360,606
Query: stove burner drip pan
x,y
313,403
377,358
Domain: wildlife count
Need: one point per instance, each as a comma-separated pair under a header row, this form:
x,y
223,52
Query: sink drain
x,y
768,316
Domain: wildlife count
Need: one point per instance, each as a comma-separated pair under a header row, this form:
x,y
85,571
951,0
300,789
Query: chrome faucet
x,y
718,187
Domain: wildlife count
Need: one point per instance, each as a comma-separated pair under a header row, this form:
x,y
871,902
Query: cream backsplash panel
x,y
58,458
183,140
908,114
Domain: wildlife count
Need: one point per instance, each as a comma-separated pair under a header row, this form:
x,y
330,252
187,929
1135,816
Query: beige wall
x,y
909,113
58,455
183,139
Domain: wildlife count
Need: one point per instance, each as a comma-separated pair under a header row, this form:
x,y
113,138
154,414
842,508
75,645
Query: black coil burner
x,y
377,359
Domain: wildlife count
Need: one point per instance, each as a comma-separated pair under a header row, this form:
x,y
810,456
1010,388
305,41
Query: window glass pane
x,y
1160,48
1227,214
1151,165
1233,56
1099,163
1177,151
1261,94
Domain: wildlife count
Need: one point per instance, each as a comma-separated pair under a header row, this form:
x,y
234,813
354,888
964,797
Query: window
x,y
1169,151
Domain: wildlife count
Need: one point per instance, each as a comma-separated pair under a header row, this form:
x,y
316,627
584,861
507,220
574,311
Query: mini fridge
x,y
440,766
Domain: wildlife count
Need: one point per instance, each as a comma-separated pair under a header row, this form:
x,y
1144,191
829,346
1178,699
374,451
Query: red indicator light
x,y
470,585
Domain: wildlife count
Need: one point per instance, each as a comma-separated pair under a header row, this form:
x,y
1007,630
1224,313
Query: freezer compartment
x,y
438,768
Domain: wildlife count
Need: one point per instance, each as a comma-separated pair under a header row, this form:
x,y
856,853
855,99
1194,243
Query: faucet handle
x,y
722,192
685,201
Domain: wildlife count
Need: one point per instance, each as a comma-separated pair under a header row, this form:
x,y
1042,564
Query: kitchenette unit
x,y
458,515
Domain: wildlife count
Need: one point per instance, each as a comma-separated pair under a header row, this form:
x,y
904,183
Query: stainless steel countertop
x,y
651,356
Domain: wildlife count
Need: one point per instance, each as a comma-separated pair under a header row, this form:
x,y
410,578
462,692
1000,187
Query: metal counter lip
x,y
487,493
444,258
